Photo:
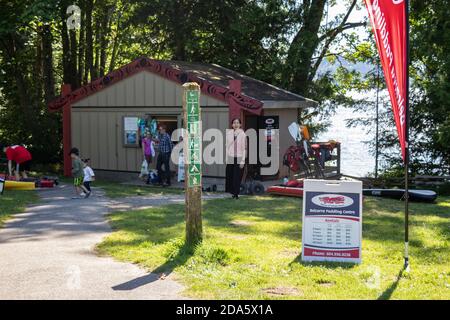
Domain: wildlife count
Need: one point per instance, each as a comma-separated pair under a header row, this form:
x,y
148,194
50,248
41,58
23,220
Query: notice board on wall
x,y
332,221
130,126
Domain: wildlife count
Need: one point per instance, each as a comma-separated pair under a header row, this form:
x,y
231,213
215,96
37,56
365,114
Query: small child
x,y
89,175
78,174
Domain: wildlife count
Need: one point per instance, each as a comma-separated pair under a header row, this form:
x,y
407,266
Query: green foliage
x,y
24,116
38,53
430,92
283,42
431,72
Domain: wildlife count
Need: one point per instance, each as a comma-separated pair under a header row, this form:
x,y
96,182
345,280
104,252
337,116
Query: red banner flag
x,y
388,18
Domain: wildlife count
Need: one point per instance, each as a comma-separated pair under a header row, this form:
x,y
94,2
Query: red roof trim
x,y
157,67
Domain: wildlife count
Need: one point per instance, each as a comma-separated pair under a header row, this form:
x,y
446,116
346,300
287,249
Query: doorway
x,y
266,123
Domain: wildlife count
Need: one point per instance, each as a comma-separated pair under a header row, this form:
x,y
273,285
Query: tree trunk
x,y
88,68
114,52
73,58
302,48
81,45
179,36
47,63
66,57
299,70
95,69
104,32
117,39
38,63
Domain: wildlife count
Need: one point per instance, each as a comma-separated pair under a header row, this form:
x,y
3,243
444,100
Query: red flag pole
x,y
406,265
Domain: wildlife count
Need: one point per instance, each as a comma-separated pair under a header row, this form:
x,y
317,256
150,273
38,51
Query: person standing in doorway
x,y
21,157
235,148
165,149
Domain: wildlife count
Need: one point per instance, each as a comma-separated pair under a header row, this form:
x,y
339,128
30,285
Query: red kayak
x,y
45,183
286,191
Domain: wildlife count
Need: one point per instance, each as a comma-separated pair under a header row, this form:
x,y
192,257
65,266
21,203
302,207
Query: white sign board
x,y
130,123
332,221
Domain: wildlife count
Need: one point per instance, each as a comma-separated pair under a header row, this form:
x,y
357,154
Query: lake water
x,y
355,157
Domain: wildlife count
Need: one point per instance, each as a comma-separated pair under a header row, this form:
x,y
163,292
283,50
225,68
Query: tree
x,y
283,42
429,105
430,44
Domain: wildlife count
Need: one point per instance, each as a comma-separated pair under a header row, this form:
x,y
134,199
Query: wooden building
x,y
98,117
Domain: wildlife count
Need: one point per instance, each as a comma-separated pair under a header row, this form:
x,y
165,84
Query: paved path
x,y
48,252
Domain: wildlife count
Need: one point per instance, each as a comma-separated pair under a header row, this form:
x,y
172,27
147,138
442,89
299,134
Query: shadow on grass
x,y
327,265
182,256
386,295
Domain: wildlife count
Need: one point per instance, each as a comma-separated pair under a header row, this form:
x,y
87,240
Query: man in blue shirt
x,y
165,149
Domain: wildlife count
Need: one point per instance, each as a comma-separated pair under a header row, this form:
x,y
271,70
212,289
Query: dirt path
x,y
48,252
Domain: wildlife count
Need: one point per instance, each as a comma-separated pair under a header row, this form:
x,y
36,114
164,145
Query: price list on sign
x,y
194,133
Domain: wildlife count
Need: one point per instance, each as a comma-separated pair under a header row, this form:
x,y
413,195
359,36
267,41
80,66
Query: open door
x,y
266,123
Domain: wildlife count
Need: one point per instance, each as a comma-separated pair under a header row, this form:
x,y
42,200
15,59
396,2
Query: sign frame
x,y
332,221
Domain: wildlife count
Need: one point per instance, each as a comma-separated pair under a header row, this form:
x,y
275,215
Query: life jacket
x,y
292,158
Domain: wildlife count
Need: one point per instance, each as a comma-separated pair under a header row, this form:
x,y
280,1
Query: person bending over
x,y
21,157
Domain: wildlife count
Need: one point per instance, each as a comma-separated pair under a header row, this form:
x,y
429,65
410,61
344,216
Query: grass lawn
x,y
13,201
251,250
118,190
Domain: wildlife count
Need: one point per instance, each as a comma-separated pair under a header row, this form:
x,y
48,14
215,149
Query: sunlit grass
x,y
14,201
251,250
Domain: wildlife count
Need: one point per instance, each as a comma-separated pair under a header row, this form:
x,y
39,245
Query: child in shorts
x,y
78,174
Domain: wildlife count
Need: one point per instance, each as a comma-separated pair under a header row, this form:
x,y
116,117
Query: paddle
x,y
294,130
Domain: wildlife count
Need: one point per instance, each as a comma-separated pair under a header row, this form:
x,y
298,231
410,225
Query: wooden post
x,y
192,138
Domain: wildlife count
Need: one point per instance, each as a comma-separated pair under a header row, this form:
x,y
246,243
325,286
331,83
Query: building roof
x,y
220,76
213,80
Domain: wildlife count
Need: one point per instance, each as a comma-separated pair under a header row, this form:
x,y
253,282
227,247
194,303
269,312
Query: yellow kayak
x,y
19,185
